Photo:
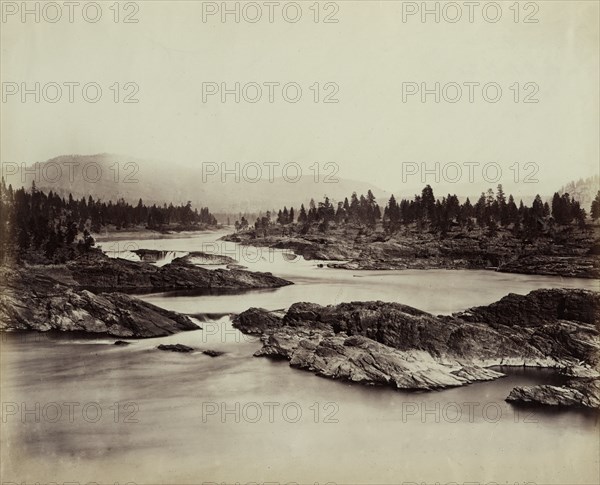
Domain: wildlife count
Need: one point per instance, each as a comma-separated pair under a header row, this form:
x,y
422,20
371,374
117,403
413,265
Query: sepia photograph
x,y
309,242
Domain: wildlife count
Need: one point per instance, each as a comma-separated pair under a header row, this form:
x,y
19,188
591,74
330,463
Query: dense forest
x,y
35,225
490,212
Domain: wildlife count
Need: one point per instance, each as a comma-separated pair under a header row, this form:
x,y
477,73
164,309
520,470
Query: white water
x,y
360,434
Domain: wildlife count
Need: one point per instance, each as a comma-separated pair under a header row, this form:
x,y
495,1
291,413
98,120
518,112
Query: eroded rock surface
x,y
29,301
581,392
398,345
101,272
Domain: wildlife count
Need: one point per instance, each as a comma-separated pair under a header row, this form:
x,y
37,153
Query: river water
x,y
77,408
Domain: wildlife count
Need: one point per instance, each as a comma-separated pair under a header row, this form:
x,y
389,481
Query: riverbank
x,y
567,252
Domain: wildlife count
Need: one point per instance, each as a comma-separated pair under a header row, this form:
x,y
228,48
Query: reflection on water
x,y
188,418
163,417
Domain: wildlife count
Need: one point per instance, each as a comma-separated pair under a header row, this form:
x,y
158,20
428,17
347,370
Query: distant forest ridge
x,y
112,177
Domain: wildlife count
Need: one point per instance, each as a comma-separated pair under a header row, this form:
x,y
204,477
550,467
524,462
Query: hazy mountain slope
x,y
109,177
583,190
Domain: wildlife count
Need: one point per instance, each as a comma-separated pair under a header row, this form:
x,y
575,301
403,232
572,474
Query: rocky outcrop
x,y
538,308
192,257
565,252
175,348
213,353
580,393
103,273
80,296
236,266
186,349
559,323
309,246
398,345
29,301
256,321
363,360
569,266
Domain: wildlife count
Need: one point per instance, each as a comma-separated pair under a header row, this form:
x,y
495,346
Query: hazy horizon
x,y
368,54
413,184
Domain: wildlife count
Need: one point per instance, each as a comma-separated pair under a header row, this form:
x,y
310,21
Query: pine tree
x,y
480,209
537,208
428,202
502,206
512,212
354,208
595,209
392,211
302,217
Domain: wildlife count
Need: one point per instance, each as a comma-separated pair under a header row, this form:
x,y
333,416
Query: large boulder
x,y
256,321
33,302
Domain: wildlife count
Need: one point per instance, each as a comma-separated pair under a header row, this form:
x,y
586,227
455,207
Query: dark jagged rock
x,y
563,324
538,308
395,344
582,392
256,321
175,348
120,275
213,353
36,302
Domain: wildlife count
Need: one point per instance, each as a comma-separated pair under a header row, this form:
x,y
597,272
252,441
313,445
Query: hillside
x,y
582,190
110,177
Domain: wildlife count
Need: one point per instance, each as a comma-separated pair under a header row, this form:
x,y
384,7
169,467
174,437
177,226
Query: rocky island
x,y
82,295
377,343
97,271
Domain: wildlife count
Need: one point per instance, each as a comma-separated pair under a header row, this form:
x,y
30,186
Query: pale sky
x,y
369,53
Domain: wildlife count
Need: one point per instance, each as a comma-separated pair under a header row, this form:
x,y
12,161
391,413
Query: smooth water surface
x,y
192,418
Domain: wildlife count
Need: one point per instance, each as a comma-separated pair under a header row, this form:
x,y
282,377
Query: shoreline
x,y
353,250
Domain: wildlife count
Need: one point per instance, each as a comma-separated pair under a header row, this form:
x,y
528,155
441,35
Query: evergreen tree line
x,y
491,211
31,220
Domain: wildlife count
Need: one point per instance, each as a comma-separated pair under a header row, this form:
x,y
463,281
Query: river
x,y
80,409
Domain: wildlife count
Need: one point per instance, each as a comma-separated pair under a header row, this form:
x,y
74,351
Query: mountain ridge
x,y
109,176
